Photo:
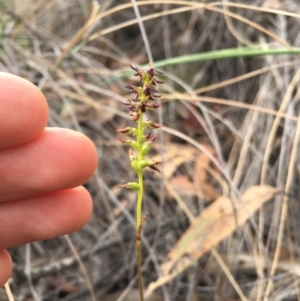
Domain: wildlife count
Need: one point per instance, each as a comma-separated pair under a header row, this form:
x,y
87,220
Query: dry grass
x,y
246,109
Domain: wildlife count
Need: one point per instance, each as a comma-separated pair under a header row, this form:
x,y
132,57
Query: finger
x,y
23,110
43,217
5,267
57,159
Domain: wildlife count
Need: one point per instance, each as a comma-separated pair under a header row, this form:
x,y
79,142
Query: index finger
x,y
23,110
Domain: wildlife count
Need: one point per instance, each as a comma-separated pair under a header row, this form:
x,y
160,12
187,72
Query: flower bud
x,y
145,149
131,88
151,71
132,143
131,185
149,163
152,106
127,131
135,165
153,125
146,146
146,137
124,131
151,92
135,145
132,105
124,141
154,165
143,163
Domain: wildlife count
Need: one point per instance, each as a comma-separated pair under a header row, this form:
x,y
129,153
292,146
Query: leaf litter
x,y
211,226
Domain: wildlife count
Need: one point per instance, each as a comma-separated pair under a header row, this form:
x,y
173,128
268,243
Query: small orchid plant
x,y
145,96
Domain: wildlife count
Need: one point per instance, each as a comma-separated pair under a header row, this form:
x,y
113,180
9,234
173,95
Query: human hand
x,y
40,171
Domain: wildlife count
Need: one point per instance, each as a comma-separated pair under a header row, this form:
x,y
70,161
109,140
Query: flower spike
x,y
141,145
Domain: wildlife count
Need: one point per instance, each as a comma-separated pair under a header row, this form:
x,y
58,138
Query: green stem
x,y
139,208
138,235
140,132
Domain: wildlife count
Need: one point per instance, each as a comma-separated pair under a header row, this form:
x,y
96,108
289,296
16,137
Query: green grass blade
x,y
213,55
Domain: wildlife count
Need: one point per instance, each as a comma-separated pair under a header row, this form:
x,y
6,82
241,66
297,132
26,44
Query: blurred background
x,y
230,107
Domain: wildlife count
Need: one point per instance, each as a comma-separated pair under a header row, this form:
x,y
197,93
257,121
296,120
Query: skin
x,y
41,170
